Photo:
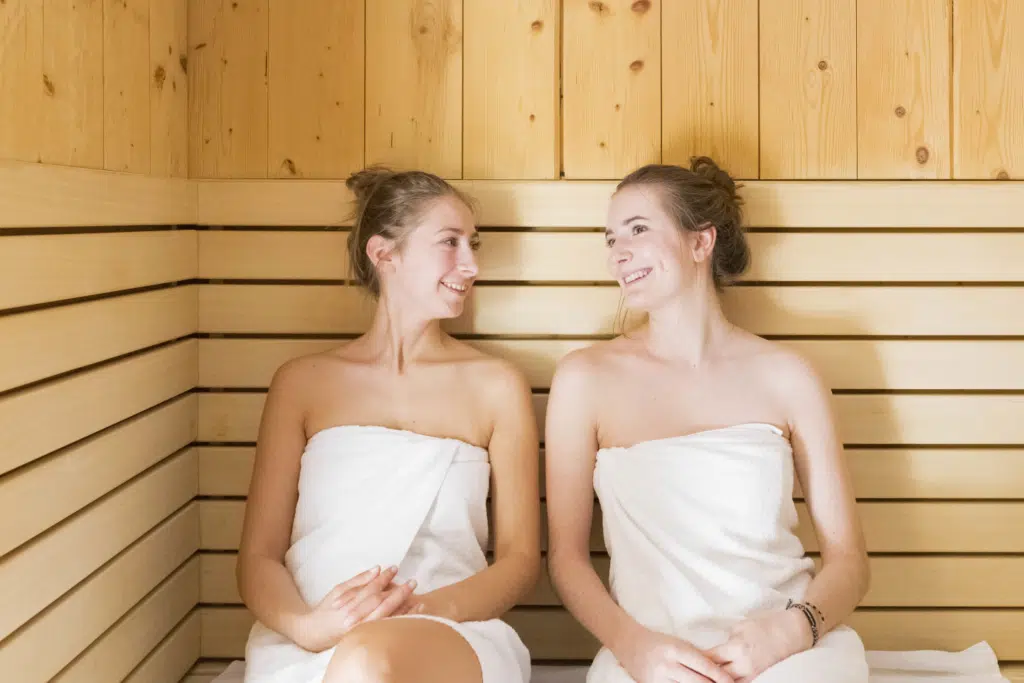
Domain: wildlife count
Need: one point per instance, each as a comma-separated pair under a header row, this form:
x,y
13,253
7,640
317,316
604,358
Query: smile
x,y
636,275
461,289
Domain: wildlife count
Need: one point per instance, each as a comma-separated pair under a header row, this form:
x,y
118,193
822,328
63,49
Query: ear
x,y
380,250
703,242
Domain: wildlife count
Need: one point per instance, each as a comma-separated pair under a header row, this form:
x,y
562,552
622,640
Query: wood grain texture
x,y
511,89
316,88
414,85
228,90
126,105
21,79
173,658
903,89
988,89
168,88
808,89
71,119
611,88
709,83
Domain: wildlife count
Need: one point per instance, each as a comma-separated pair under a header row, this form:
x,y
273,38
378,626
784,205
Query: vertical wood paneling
x,y
903,56
21,73
612,86
709,83
988,89
71,120
807,83
414,85
126,141
316,88
228,43
511,89
168,87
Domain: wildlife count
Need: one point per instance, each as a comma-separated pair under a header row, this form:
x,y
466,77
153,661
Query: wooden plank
x,y
52,341
21,79
115,654
316,88
83,473
709,88
539,256
988,90
611,90
71,625
172,659
575,204
72,113
42,196
414,85
990,365
126,107
228,91
92,537
168,88
39,420
511,90
205,671
808,63
903,73
37,269
578,311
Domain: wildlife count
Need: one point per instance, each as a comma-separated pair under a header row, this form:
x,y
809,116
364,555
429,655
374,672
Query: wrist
x,y
299,629
622,634
803,627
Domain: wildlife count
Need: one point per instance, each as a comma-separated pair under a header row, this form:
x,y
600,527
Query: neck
x,y
686,329
398,339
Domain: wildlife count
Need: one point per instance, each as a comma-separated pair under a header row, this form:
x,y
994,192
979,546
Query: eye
x,y
451,241
475,245
609,241
638,228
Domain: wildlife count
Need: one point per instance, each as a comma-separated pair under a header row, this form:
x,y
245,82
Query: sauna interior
x,y
172,229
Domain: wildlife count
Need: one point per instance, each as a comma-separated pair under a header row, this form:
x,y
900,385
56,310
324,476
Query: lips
x,y
456,287
636,276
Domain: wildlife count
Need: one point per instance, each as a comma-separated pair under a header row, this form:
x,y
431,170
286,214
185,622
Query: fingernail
x,y
411,583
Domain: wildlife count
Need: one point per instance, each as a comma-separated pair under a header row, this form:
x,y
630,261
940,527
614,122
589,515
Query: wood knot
x,y
1002,175
423,30
637,65
48,85
159,76
289,166
532,118
183,63
618,107
599,7
822,65
601,145
537,26
234,5
641,6
901,112
922,155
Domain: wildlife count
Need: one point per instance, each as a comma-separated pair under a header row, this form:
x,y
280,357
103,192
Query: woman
x,y
690,429
363,549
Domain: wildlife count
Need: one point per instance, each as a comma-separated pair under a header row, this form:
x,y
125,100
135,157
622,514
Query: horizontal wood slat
x,y
557,204
555,635
46,196
72,624
864,419
81,474
172,659
877,473
948,527
52,341
39,420
582,256
574,311
925,581
36,269
91,537
844,364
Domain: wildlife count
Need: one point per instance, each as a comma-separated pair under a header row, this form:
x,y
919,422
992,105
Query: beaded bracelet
x,y
811,619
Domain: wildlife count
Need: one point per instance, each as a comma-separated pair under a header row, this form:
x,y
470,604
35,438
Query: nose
x,y
467,264
621,255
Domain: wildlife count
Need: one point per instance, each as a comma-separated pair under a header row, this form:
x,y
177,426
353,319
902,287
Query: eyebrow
x,y
459,231
633,218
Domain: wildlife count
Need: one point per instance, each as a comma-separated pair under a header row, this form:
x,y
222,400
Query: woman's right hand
x,y
366,597
652,657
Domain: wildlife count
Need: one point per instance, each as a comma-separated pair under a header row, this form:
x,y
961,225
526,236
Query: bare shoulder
x,y
300,376
786,371
584,368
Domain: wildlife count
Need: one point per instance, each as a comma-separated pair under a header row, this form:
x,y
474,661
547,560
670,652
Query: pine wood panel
x,y
228,90
709,83
575,204
316,88
118,651
511,89
172,659
92,537
71,119
37,269
72,624
540,256
51,341
579,311
168,88
808,89
126,106
414,85
21,79
39,420
903,89
83,473
988,89
611,88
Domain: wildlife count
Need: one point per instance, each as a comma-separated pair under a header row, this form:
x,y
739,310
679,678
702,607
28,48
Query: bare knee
x,y
361,657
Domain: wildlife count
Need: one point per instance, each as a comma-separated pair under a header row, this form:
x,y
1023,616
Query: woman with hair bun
x,y
363,549
692,431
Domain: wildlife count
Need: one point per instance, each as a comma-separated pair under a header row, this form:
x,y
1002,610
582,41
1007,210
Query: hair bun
x,y
707,168
365,182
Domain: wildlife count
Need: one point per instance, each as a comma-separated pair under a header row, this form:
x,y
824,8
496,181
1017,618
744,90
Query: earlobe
x,y
704,243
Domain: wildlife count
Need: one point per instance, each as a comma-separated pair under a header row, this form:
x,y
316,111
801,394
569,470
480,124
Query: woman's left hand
x,y
760,642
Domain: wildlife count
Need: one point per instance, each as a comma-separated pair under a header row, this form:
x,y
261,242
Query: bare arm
x,y
515,505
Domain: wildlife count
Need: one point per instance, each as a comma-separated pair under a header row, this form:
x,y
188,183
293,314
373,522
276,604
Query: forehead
x,y
634,200
449,212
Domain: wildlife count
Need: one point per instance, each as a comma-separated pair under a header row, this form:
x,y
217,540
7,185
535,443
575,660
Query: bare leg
x,y
401,650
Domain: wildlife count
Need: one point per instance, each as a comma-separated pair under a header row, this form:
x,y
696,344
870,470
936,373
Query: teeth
x,y
457,288
633,277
